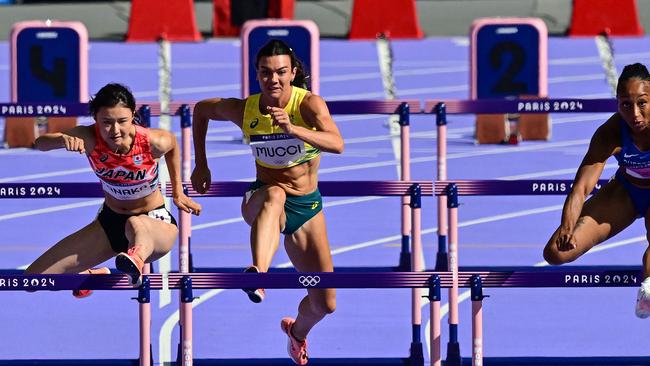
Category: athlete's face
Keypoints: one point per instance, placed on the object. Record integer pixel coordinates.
(275, 74)
(116, 127)
(634, 104)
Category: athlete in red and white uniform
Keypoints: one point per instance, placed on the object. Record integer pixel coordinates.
(133, 224)
(126, 176)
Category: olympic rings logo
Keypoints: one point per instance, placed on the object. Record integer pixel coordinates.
(309, 281)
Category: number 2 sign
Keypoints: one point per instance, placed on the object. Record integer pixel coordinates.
(508, 60)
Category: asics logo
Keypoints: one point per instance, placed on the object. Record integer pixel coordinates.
(626, 155)
(314, 205)
(254, 123)
(309, 281)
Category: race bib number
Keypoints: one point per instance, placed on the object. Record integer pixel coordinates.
(277, 150)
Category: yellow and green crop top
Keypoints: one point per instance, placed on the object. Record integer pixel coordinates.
(271, 147)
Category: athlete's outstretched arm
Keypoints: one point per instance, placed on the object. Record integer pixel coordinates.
(78, 139)
(230, 109)
(604, 143)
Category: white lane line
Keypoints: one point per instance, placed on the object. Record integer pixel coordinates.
(355, 140)
(438, 64)
(192, 90)
(57, 173)
(234, 220)
(39, 211)
(551, 173)
(470, 154)
(373, 75)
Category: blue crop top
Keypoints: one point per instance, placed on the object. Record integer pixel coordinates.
(635, 162)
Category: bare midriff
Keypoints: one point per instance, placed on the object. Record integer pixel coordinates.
(297, 180)
(137, 206)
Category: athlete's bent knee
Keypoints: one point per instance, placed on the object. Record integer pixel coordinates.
(275, 194)
(133, 224)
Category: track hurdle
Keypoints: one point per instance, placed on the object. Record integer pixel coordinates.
(414, 189)
(409, 259)
(16, 280)
(453, 189)
(410, 196)
(410, 209)
(403, 108)
(486, 106)
(447, 257)
(434, 281)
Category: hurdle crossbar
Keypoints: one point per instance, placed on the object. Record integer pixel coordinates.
(416, 106)
(217, 189)
(593, 277)
(327, 188)
(533, 105)
(496, 187)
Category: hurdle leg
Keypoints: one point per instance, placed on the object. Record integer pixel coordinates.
(405, 154)
(441, 122)
(185, 356)
(477, 320)
(453, 347)
(417, 265)
(144, 299)
(434, 319)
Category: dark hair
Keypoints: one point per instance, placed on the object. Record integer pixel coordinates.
(632, 71)
(111, 95)
(276, 47)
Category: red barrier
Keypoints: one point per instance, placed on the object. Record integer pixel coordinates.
(614, 17)
(151, 21)
(394, 18)
(227, 24)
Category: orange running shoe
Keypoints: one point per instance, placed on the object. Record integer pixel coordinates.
(256, 295)
(80, 294)
(297, 349)
(130, 264)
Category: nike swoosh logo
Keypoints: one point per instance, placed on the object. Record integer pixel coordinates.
(629, 155)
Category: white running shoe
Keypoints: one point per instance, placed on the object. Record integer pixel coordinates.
(643, 300)
(256, 295)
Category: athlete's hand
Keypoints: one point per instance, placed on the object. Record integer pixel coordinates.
(187, 204)
(566, 241)
(201, 179)
(281, 118)
(73, 143)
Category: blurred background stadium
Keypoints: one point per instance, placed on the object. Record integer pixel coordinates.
(108, 20)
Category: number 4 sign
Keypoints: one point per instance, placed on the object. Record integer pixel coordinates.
(509, 60)
(49, 63)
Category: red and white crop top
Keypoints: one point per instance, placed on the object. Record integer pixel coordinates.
(127, 176)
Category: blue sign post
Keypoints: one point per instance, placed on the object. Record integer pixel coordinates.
(509, 60)
(49, 64)
(301, 36)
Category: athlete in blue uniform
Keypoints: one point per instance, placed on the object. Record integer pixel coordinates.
(626, 136)
(288, 127)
